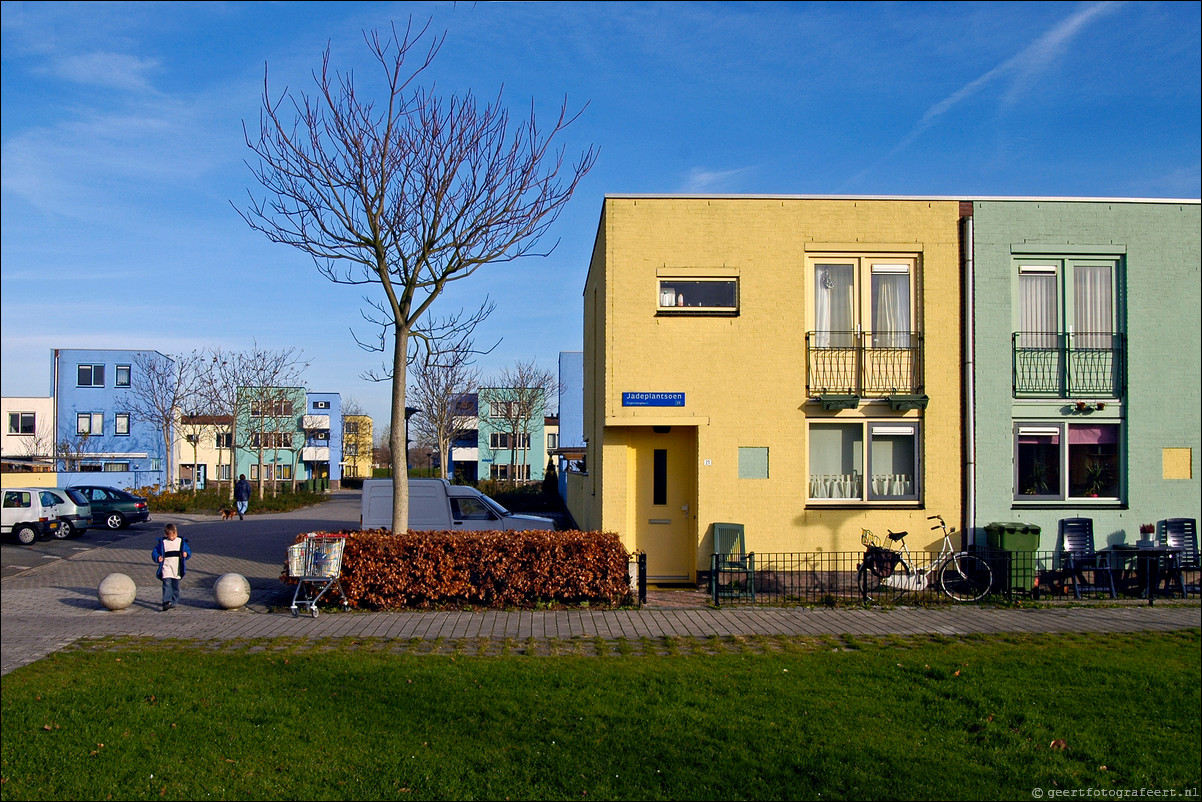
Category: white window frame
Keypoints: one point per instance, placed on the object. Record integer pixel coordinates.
(89, 423)
(17, 427)
(122, 376)
(121, 424)
(92, 371)
(880, 488)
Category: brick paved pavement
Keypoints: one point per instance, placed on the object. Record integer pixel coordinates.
(54, 604)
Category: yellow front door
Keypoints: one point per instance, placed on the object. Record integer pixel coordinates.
(665, 479)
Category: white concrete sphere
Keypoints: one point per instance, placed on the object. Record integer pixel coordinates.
(117, 591)
(231, 591)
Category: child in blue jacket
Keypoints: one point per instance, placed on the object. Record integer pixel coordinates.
(171, 553)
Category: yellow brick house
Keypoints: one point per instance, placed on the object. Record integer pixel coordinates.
(792, 364)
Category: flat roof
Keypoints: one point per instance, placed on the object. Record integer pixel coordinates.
(752, 196)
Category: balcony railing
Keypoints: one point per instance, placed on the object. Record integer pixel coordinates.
(1061, 365)
(863, 363)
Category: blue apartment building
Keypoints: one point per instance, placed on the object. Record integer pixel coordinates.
(96, 432)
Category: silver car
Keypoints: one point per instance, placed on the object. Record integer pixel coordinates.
(74, 510)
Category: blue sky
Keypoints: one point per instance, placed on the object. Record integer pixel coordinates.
(123, 148)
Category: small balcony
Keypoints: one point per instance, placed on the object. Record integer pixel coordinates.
(1062, 365)
(855, 364)
(311, 422)
(315, 454)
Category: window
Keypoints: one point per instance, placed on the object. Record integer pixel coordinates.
(863, 337)
(271, 409)
(470, 509)
(753, 463)
(552, 440)
(500, 440)
(116, 467)
(121, 424)
(509, 472)
(271, 440)
(89, 423)
(1068, 341)
(22, 423)
(837, 461)
(323, 435)
(284, 473)
(659, 477)
(502, 409)
(225, 440)
(90, 376)
(698, 296)
(122, 377)
(863, 300)
(321, 404)
(351, 426)
(1058, 461)
(223, 473)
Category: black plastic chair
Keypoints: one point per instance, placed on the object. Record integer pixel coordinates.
(731, 561)
(1077, 557)
(1181, 533)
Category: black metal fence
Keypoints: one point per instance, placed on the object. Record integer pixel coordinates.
(840, 578)
(1068, 365)
(864, 363)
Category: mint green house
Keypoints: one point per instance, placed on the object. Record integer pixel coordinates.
(511, 434)
(1082, 363)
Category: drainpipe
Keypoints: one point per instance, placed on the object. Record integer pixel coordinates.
(970, 400)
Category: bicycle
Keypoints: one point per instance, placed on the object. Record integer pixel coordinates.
(887, 573)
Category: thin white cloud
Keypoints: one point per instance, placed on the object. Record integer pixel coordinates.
(700, 180)
(112, 70)
(1025, 67)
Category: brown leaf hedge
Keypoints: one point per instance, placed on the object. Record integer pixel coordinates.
(424, 570)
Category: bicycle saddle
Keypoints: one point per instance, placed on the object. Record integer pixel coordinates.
(897, 535)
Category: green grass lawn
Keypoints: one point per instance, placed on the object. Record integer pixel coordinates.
(770, 718)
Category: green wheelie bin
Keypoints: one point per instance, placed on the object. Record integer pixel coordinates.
(1013, 546)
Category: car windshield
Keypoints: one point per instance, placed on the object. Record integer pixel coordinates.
(497, 508)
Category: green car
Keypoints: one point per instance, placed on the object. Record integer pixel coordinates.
(114, 508)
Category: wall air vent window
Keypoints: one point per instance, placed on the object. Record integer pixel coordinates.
(702, 295)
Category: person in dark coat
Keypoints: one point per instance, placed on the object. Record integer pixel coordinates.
(242, 494)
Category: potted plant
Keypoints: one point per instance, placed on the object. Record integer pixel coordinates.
(1097, 478)
(1146, 532)
(1037, 479)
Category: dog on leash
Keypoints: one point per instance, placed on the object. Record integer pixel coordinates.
(227, 514)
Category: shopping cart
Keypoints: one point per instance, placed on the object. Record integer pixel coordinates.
(315, 564)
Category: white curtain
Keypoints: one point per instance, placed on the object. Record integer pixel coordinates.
(834, 310)
(890, 307)
(1093, 305)
(1037, 309)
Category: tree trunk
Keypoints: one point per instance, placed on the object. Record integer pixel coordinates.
(400, 450)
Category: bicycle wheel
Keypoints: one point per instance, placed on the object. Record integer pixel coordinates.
(965, 578)
(879, 583)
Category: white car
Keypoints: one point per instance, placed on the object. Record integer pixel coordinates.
(28, 513)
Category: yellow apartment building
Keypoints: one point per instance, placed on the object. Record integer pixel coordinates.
(792, 364)
(357, 442)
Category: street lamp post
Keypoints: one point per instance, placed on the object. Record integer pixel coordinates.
(409, 413)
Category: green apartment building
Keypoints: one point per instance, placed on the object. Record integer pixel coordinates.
(1082, 363)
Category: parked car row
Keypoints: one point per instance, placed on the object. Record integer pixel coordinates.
(61, 512)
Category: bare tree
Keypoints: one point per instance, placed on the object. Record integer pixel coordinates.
(518, 403)
(407, 195)
(439, 383)
(159, 387)
(228, 373)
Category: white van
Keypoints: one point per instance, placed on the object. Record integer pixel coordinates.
(438, 505)
(28, 513)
